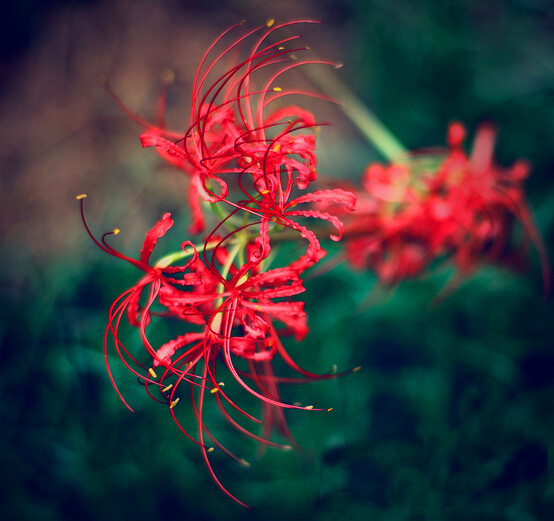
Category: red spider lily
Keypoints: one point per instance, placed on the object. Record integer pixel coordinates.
(232, 130)
(222, 308)
(441, 203)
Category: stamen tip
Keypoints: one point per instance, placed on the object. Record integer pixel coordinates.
(244, 463)
(309, 407)
(339, 65)
(287, 447)
(151, 371)
(165, 389)
(211, 449)
(270, 22)
(281, 48)
(81, 196)
(356, 369)
(214, 390)
(116, 231)
(330, 409)
(277, 89)
(174, 403)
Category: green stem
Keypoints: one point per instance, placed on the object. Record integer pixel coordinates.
(217, 209)
(237, 247)
(366, 121)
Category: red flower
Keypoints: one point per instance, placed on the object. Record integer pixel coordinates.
(438, 204)
(233, 131)
(235, 319)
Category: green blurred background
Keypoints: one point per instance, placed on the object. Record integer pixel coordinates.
(452, 414)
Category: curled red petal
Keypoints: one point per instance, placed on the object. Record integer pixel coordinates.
(165, 352)
(277, 308)
(273, 276)
(336, 196)
(159, 230)
(171, 152)
(335, 221)
(262, 246)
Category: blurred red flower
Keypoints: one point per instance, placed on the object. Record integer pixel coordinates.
(442, 204)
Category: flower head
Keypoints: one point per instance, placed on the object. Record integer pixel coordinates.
(441, 204)
(239, 126)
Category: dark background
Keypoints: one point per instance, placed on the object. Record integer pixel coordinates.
(451, 416)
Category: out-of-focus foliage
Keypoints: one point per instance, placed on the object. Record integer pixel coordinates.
(451, 416)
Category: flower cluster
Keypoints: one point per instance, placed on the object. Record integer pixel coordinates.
(440, 204)
(251, 161)
(250, 157)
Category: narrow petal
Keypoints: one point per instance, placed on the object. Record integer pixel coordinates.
(336, 196)
(159, 230)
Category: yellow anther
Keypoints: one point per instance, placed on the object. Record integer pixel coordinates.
(307, 48)
(214, 390)
(329, 410)
(116, 231)
(309, 407)
(165, 389)
(264, 192)
(211, 449)
(334, 368)
(276, 148)
(339, 66)
(244, 463)
(287, 447)
(221, 384)
(81, 196)
(174, 403)
(356, 369)
(270, 22)
(258, 308)
(277, 89)
(152, 373)
(270, 342)
(281, 48)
